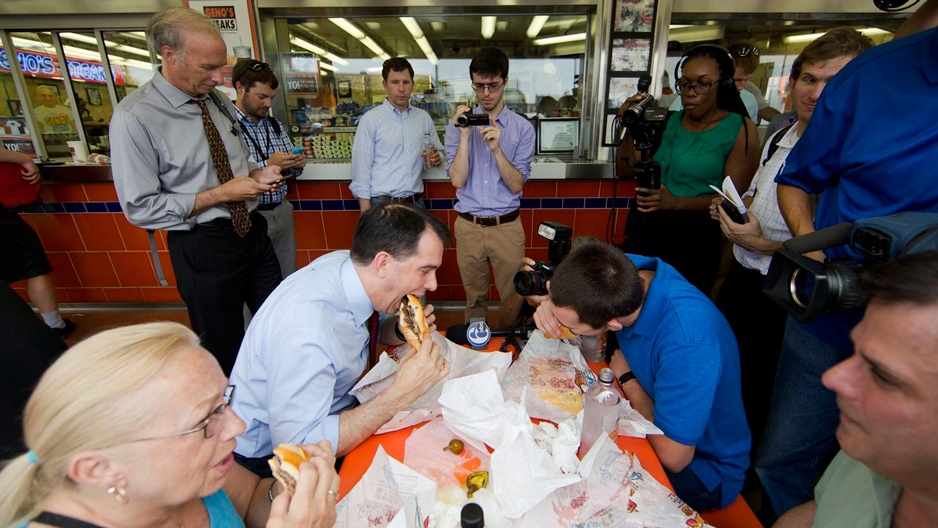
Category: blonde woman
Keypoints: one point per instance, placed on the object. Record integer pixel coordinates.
(132, 427)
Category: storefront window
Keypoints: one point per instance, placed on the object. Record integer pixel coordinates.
(332, 75)
(130, 60)
(14, 134)
(46, 91)
(90, 87)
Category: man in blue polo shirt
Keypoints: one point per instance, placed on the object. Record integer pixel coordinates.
(678, 364)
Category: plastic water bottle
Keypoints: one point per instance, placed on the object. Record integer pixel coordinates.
(600, 411)
(471, 516)
(478, 333)
(427, 149)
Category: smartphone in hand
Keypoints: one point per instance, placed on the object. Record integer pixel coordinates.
(297, 150)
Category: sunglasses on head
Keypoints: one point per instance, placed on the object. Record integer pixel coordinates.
(744, 52)
(255, 67)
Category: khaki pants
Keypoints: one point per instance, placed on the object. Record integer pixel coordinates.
(477, 246)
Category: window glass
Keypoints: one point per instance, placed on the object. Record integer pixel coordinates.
(46, 89)
(332, 75)
(14, 134)
(89, 83)
(130, 60)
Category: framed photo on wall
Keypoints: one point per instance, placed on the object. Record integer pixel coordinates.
(630, 54)
(620, 89)
(94, 96)
(344, 88)
(634, 16)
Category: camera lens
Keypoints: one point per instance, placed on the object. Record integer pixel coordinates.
(530, 283)
(462, 120)
(802, 287)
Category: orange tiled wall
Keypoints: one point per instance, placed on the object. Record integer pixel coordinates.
(99, 257)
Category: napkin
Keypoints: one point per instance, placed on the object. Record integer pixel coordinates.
(387, 488)
(462, 362)
(523, 472)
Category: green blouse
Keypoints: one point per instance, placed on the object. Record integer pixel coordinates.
(692, 161)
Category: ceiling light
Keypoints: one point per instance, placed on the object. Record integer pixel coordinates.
(488, 26)
(414, 28)
(872, 32)
(326, 66)
(537, 23)
(87, 39)
(361, 36)
(696, 33)
(794, 39)
(678, 26)
(348, 27)
(131, 49)
(560, 40)
(298, 42)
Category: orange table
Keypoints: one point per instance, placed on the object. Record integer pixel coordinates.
(357, 462)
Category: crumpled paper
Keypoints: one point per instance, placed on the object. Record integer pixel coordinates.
(523, 472)
(462, 362)
(556, 376)
(616, 491)
(384, 491)
(632, 423)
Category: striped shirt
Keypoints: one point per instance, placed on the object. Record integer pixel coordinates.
(265, 143)
(765, 202)
(387, 154)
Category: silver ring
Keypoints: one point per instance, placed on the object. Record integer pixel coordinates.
(335, 495)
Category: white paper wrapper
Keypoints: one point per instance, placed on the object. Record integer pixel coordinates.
(462, 361)
(616, 492)
(632, 423)
(523, 472)
(555, 374)
(385, 489)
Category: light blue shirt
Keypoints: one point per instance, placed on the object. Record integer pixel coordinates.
(387, 154)
(485, 193)
(305, 349)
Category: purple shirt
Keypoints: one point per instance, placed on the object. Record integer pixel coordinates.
(485, 193)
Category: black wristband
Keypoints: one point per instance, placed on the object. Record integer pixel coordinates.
(399, 334)
(625, 378)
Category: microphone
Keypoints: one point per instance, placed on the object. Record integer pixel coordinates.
(836, 235)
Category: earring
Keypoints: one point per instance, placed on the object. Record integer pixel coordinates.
(119, 493)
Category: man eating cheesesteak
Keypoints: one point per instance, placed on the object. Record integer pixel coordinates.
(309, 344)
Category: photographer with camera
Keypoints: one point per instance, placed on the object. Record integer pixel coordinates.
(868, 152)
(887, 396)
(489, 151)
(712, 137)
(677, 362)
(757, 321)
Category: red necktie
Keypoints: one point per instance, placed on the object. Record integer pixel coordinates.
(240, 218)
(373, 340)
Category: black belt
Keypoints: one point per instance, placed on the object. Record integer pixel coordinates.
(490, 221)
(269, 206)
(412, 199)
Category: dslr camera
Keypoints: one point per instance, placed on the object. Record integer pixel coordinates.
(534, 282)
(469, 119)
(807, 288)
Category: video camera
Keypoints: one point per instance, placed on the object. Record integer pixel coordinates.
(468, 119)
(807, 288)
(645, 122)
(534, 282)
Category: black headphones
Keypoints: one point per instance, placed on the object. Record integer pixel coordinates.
(724, 60)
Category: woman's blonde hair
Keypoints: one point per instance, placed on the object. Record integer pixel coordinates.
(87, 400)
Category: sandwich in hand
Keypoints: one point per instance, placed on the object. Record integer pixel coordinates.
(285, 465)
(413, 323)
(565, 333)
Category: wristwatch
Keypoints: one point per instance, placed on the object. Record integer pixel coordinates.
(625, 378)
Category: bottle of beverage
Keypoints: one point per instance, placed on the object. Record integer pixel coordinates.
(600, 411)
(427, 149)
(471, 516)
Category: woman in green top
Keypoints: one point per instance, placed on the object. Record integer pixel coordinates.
(712, 137)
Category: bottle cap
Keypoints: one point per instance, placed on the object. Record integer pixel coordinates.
(606, 375)
(472, 516)
(478, 334)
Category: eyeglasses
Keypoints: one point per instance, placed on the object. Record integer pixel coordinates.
(256, 67)
(700, 88)
(743, 52)
(491, 87)
(209, 426)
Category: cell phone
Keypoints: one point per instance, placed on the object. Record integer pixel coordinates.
(297, 150)
(734, 213)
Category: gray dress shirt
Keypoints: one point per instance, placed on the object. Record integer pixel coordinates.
(160, 157)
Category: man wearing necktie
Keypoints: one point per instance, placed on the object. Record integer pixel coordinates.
(181, 165)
